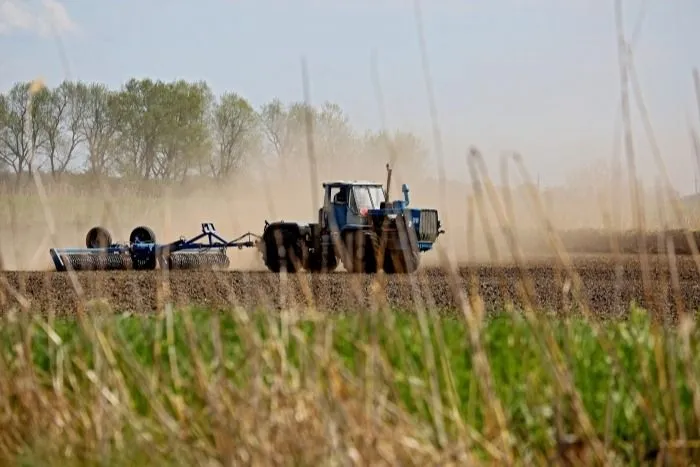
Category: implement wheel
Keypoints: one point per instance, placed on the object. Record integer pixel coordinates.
(142, 234)
(139, 260)
(98, 237)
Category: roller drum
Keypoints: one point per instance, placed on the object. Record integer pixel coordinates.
(96, 262)
(198, 261)
(79, 262)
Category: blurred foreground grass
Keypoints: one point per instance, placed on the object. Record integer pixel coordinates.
(208, 387)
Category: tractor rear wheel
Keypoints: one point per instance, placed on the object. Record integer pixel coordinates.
(284, 250)
(361, 249)
(323, 260)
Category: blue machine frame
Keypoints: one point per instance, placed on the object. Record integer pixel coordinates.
(145, 254)
(392, 208)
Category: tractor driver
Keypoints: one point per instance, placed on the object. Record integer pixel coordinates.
(342, 196)
(339, 206)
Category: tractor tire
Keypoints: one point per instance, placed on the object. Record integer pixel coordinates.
(405, 259)
(98, 237)
(402, 262)
(360, 255)
(323, 261)
(284, 251)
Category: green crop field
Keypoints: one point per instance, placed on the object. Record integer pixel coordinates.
(216, 387)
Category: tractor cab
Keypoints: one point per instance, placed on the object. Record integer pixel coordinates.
(347, 203)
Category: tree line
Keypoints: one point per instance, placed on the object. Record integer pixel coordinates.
(156, 130)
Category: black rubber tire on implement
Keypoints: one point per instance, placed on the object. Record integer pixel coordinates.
(98, 237)
(143, 234)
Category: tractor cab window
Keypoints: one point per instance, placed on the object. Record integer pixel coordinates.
(368, 197)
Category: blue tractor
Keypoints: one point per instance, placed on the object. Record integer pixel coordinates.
(358, 227)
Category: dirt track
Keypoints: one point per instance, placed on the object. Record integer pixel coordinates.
(137, 291)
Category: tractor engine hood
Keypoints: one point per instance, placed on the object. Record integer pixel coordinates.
(392, 207)
(397, 207)
(389, 213)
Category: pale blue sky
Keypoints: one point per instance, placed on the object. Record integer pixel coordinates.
(537, 76)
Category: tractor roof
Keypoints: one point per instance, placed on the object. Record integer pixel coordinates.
(339, 183)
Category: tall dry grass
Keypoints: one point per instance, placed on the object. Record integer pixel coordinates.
(373, 389)
(176, 389)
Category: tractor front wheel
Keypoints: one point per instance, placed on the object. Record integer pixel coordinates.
(404, 257)
(402, 262)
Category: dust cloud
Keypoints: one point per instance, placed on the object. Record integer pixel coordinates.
(286, 190)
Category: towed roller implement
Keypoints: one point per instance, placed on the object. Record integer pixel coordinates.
(359, 226)
(143, 253)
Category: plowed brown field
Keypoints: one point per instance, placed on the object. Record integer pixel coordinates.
(607, 290)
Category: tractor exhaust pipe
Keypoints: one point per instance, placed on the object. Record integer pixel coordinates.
(388, 182)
